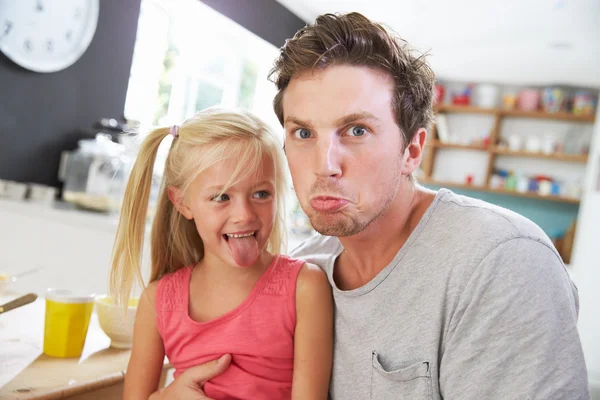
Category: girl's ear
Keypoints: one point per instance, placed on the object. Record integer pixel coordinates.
(178, 201)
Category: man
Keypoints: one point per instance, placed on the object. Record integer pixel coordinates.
(437, 295)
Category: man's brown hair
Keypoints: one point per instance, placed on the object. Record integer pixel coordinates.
(353, 39)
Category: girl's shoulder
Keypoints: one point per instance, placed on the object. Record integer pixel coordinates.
(283, 275)
(286, 261)
(306, 275)
(313, 278)
(172, 289)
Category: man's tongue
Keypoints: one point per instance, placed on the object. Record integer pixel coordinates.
(245, 250)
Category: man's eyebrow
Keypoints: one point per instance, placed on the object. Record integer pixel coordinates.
(347, 119)
(297, 121)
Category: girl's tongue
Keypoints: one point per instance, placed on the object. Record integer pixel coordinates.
(244, 249)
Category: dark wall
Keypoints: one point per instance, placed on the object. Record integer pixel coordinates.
(43, 114)
(266, 18)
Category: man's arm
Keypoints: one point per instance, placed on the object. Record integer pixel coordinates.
(514, 334)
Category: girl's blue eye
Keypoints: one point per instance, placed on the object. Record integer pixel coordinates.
(357, 131)
(262, 194)
(220, 198)
(302, 133)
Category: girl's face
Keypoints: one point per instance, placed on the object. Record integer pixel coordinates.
(234, 225)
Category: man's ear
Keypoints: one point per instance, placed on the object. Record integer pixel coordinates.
(414, 152)
(177, 199)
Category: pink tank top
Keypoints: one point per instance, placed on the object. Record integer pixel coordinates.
(259, 334)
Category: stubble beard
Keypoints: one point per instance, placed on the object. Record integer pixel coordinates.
(349, 223)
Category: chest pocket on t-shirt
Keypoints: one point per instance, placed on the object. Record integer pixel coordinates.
(411, 382)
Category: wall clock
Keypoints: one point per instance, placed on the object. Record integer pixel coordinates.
(47, 35)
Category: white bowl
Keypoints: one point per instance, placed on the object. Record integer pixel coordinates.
(116, 321)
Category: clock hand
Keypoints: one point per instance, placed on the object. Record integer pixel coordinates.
(7, 28)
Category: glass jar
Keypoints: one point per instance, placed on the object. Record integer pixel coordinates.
(94, 174)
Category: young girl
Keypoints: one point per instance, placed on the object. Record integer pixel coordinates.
(218, 285)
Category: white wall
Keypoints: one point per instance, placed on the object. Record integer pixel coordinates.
(585, 268)
(522, 42)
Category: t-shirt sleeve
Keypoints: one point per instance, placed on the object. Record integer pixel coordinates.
(317, 250)
(513, 334)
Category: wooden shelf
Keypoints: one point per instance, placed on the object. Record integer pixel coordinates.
(559, 199)
(493, 152)
(578, 158)
(560, 116)
(426, 181)
(451, 108)
(441, 145)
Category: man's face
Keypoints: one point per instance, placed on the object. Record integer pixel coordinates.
(343, 146)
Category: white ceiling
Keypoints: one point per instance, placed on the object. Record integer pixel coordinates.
(515, 42)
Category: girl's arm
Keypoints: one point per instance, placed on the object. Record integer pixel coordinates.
(313, 338)
(148, 353)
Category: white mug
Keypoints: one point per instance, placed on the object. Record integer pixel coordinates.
(514, 142)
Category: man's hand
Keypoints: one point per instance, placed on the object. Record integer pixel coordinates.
(188, 385)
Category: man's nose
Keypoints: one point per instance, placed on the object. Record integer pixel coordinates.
(328, 158)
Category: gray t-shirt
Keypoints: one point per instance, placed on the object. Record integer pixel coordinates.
(476, 305)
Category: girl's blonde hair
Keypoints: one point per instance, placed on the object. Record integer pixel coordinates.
(206, 139)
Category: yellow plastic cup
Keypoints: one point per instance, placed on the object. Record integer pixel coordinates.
(66, 322)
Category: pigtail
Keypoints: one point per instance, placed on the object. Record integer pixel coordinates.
(129, 241)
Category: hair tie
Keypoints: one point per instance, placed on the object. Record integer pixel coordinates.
(174, 131)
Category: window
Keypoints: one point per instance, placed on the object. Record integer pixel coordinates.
(189, 57)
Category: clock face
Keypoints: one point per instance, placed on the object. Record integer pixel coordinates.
(46, 35)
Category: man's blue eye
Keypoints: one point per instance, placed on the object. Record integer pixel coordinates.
(357, 131)
(302, 133)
